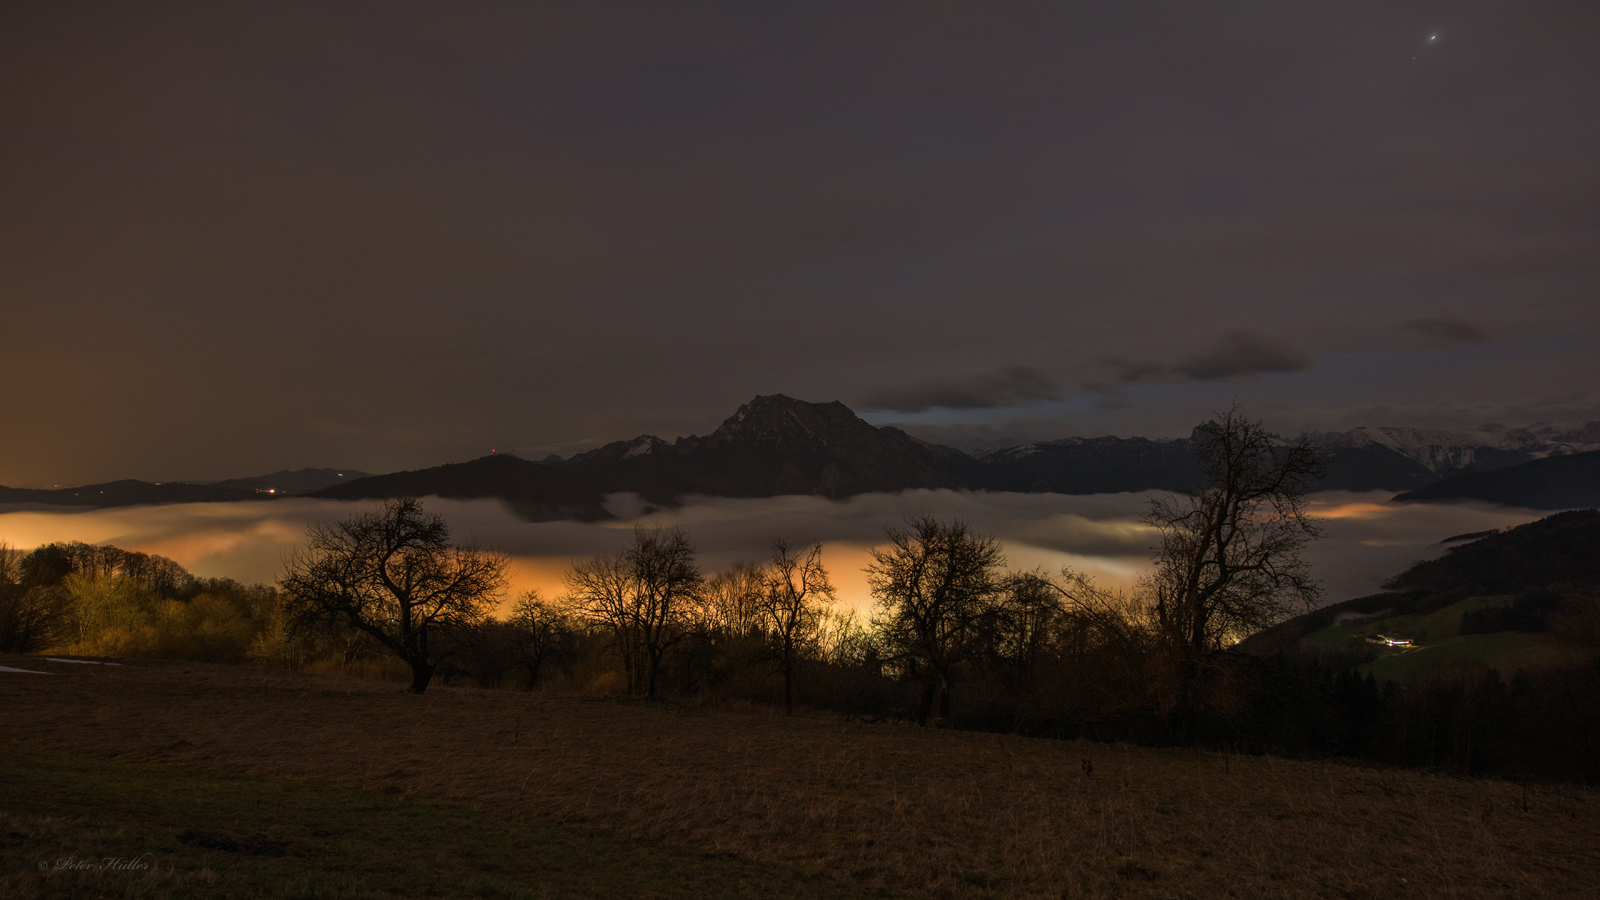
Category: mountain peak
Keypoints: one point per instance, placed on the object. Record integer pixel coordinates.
(777, 419)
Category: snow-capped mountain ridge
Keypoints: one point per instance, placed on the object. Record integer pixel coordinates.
(1491, 446)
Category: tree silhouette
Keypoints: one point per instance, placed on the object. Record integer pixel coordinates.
(796, 595)
(937, 587)
(542, 632)
(394, 575)
(1229, 563)
(642, 596)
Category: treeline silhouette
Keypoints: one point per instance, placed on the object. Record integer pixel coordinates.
(1043, 654)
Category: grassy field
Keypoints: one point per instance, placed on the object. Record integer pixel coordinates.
(1442, 650)
(1437, 625)
(1506, 651)
(183, 832)
(246, 783)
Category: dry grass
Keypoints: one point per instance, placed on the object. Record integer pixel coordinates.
(936, 813)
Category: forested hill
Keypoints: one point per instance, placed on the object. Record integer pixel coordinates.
(1556, 556)
(129, 493)
(1563, 549)
(1557, 482)
(535, 491)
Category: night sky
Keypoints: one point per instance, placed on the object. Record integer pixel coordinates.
(236, 238)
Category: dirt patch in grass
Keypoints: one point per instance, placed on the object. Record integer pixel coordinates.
(935, 813)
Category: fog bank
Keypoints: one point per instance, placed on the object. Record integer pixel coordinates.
(1366, 539)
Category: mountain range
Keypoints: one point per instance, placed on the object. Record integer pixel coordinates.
(129, 492)
(302, 481)
(776, 445)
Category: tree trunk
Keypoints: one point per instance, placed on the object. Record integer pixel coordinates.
(788, 688)
(421, 674)
(1181, 720)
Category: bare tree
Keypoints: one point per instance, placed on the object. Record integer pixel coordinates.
(842, 639)
(642, 596)
(797, 594)
(1110, 639)
(937, 587)
(732, 599)
(600, 590)
(544, 632)
(1229, 563)
(393, 574)
(1030, 610)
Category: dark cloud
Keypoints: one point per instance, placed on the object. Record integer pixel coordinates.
(237, 238)
(1239, 354)
(1012, 386)
(1242, 354)
(1448, 331)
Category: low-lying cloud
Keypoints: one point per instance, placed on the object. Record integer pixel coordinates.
(1447, 331)
(1367, 538)
(1012, 386)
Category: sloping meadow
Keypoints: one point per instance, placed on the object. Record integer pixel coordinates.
(874, 807)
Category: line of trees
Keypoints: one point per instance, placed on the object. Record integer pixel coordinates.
(104, 601)
(393, 576)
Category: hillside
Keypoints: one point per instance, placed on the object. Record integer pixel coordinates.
(1088, 466)
(129, 492)
(236, 778)
(535, 491)
(1559, 549)
(1557, 482)
(1489, 601)
(302, 481)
